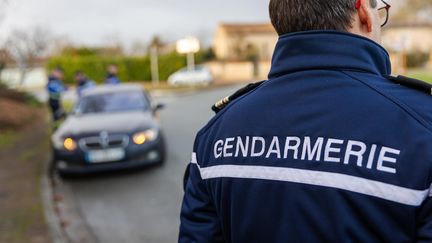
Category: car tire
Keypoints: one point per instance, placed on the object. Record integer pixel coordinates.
(64, 176)
(162, 151)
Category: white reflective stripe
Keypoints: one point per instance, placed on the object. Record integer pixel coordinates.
(194, 159)
(319, 178)
(430, 191)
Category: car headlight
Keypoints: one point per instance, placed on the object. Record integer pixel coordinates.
(145, 136)
(68, 144)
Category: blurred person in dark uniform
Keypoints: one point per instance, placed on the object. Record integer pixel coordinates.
(83, 83)
(112, 75)
(55, 88)
(331, 148)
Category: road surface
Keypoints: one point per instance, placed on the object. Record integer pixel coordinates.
(144, 206)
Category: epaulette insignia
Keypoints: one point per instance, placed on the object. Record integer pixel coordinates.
(412, 83)
(225, 101)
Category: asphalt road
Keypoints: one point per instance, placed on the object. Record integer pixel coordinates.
(144, 206)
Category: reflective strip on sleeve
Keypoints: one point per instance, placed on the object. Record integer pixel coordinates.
(194, 159)
(355, 184)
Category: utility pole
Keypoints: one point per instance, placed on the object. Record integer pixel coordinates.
(154, 62)
(191, 61)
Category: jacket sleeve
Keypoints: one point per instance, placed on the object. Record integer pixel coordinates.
(199, 221)
(424, 223)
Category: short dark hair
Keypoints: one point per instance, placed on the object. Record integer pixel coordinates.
(289, 16)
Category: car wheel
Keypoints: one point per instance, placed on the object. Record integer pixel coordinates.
(64, 176)
(162, 152)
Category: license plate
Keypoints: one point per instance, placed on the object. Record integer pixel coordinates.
(107, 155)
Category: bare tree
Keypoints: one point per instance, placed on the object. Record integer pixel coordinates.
(3, 10)
(156, 42)
(58, 44)
(25, 47)
(138, 48)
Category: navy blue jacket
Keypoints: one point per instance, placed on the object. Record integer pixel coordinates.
(112, 79)
(326, 150)
(84, 85)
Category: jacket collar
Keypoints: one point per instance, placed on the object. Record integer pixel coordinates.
(328, 50)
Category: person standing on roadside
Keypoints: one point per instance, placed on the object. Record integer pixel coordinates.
(83, 83)
(331, 148)
(112, 75)
(55, 88)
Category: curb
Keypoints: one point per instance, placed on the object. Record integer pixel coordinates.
(65, 220)
(52, 220)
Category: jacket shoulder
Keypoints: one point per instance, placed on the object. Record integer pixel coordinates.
(412, 83)
(415, 94)
(221, 107)
(221, 104)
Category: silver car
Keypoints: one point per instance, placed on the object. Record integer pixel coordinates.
(199, 75)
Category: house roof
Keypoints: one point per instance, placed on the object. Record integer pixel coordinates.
(233, 28)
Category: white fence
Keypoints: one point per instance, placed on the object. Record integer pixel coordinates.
(35, 78)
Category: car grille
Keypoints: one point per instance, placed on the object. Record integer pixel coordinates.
(104, 142)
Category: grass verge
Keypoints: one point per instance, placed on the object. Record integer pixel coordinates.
(7, 138)
(23, 153)
(422, 74)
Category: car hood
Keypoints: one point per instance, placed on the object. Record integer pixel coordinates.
(121, 122)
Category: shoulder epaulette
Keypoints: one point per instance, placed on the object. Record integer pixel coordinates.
(225, 101)
(412, 83)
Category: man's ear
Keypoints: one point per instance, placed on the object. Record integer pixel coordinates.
(364, 15)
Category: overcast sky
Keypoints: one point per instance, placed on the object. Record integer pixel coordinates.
(97, 22)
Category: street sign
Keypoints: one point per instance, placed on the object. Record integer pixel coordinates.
(188, 45)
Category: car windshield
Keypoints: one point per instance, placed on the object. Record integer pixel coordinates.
(113, 102)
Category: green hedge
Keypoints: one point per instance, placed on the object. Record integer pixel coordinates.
(130, 68)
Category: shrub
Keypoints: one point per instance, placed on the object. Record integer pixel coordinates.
(130, 68)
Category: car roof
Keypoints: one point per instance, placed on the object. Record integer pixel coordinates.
(112, 88)
(196, 67)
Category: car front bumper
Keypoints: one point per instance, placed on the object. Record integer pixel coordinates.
(135, 156)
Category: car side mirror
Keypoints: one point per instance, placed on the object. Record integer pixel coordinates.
(159, 106)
